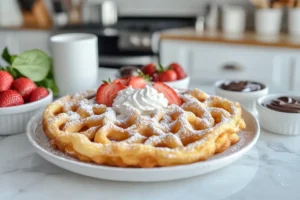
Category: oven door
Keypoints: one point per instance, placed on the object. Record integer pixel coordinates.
(116, 62)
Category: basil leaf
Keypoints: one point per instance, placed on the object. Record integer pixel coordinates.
(6, 56)
(13, 72)
(49, 83)
(12, 58)
(33, 64)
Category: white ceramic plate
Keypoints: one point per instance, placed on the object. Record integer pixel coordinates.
(248, 138)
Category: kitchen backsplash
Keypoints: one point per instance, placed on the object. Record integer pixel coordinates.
(168, 7)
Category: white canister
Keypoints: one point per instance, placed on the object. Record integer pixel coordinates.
(294, 21)
(268, 21)
(234, 19)
(75, 62)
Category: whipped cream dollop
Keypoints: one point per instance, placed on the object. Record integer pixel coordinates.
(141, 100)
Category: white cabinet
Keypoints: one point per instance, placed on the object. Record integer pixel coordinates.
(20, 40)
(208, 62)
(33, 39)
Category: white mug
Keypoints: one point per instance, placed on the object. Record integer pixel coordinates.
(234, 19)
(294, 21)
(75, 62)
(268, 21)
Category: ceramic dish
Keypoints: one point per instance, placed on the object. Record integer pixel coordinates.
(180, 84)
(14, 119)
(275, 121)
(246, 99)
(248, 138)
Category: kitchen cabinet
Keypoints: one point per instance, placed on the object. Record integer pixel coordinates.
(20, 40)
(31, 39)
(208, 62)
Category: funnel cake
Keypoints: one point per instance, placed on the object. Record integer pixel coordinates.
(202, 126)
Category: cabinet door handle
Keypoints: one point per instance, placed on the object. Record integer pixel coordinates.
(231, 67)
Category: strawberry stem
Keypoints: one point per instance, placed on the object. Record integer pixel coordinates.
(107, 81)
(144, 76)
(160, 68)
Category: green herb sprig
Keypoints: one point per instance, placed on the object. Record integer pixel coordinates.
(33, 64)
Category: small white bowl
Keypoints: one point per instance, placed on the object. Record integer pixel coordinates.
(180, 84)
(14, 119)
(246, 99)
(275, 121)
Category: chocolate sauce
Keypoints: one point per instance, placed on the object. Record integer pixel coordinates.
(128, 71)
(242, 86)
(284, 104)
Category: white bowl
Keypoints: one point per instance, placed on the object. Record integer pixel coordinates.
(180, 84)
(246, 99)
(14, 119)
(275, 121)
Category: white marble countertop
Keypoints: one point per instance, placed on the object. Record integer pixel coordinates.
(271, 170)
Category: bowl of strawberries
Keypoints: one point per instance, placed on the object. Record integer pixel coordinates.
(172, 75)
(20, 100)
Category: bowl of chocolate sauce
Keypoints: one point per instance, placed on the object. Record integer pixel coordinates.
(243, 91)
(280, 113)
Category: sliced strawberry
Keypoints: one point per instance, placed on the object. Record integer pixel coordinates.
(6, 80)
(167, 76)
(149, 69)
(24, 86)
(10, 98)
(124, 81)
(107, 92)
(178, 69)
(37, 94)
(137, 82)
(168, 92)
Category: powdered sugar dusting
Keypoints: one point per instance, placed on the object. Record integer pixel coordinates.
(174, 128)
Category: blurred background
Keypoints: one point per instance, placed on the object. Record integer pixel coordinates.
(241, 39)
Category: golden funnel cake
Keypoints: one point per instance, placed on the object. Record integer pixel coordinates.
(201, 127)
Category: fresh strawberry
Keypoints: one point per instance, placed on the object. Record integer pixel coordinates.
(107, 92)
(10, 98)
(168, 92)
(123, 80)
(37, 94)
(137, 82)
(24, 86)
(167, 76)
(6, 79)
(155, 77)
(178, 69)
(149, 69)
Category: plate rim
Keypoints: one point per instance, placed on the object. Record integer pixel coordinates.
(79, 163)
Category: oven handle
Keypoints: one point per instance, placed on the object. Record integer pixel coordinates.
(128, 60)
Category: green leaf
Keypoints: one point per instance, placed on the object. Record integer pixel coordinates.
(6, 56)
(12, 58)
(33, 64)
(49, 83)
(13, 72)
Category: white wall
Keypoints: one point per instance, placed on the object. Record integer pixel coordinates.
(167, 7)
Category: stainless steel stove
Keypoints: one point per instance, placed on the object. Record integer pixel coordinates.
(132, 41)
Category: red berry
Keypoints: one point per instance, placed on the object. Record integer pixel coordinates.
(167, 76)
(178, 69)
(107, 92)
(10, 98)
(24, 86)
(37, 94)
(123, 80)
(149, 69)
(137, 82)
(6, 79)
(168, 92)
